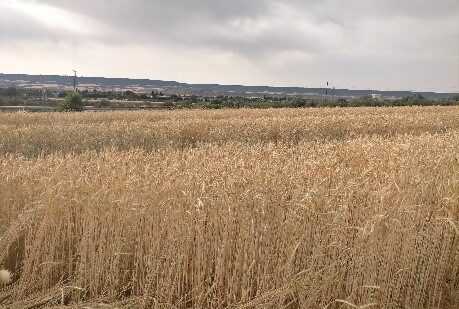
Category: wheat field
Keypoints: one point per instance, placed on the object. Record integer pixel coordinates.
(286, 208)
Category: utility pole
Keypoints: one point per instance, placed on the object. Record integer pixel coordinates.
(74, 80)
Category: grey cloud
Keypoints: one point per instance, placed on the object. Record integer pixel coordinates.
(360, 37)
(15, 26)
(207, 23)
(358, 9)
(142, 8)
(162, 16)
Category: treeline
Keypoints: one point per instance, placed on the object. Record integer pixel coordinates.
(270, 102)
(156, 99)
(15, 96)
(223, 101)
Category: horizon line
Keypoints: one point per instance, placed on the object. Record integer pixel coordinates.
(248, 85)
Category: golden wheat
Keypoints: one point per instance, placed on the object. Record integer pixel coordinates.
(37, 134)
(328, 208)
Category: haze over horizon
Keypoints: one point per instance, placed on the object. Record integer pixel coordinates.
(359, 44)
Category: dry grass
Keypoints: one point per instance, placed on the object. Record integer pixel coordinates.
(328, 208)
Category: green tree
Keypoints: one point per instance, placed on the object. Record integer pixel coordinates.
(367, 100)
(12, 92)
(73, 102)
(415, 99)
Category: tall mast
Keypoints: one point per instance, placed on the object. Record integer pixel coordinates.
(74, 80)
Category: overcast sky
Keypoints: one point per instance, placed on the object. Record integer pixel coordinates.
(376, 44)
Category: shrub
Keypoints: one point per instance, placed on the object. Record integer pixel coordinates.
(73, 102)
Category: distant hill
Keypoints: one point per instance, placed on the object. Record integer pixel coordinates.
(201, 89)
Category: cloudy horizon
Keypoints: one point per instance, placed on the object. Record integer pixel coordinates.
(359, 44)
